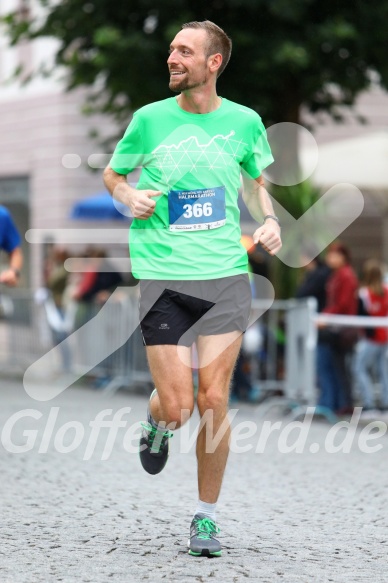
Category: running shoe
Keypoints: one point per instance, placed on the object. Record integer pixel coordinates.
(202, 541)
(153, 446)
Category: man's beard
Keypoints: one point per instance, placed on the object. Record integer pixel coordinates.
(180, 86)
(186, 84)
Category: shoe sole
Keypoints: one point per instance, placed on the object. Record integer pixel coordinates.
(203, 553)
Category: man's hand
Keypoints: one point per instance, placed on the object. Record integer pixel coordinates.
(268, 235)
(141, 204)
(138, 201)
(9, 277)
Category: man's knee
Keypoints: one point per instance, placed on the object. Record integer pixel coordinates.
(213, 399)
(177, 412)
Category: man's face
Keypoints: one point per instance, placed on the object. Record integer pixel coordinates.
(187, 62)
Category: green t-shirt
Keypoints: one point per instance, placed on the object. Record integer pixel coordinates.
(196, 161)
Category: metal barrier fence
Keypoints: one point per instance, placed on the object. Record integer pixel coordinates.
(280, 345)
(86, 340)
(23, 331)
(285, 360)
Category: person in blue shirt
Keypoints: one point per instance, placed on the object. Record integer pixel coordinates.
(10, 243)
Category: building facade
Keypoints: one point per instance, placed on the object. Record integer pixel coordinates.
(45, 146)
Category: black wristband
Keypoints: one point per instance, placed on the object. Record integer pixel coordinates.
(273, 217)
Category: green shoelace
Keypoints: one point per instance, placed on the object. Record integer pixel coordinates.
(206, 528)
(152, 432)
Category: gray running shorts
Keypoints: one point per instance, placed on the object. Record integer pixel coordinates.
(176, 312)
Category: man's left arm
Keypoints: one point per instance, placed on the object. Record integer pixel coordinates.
(256, 197)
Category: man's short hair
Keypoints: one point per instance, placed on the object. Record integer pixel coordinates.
(218, 41)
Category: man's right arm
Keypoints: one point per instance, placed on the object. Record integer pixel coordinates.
(138, 201)
(10, 276)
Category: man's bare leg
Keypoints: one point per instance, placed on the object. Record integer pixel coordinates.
(213, 397)
(174, 383)
(169, 407)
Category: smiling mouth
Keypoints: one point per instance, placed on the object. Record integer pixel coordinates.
(176, 73)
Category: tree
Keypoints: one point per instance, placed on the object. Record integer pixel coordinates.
(285, 54)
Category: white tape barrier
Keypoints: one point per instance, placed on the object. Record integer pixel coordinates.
(358, 321)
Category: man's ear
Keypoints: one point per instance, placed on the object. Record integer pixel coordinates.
(215, 62)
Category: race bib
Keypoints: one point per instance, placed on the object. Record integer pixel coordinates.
(196, 210)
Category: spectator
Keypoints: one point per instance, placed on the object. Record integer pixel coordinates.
(57, 282)
(335, 345)
(99, 281)
(57, 276)
(93, 290)
(241, 385)
(10, 243)
(371, 351)
(316, 274)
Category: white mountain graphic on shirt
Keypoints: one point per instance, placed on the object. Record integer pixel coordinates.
(179, 154)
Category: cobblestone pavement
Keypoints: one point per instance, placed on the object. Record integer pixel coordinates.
(303, 517)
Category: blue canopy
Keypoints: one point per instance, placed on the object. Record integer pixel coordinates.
(100, 207)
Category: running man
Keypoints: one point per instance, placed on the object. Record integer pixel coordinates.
(185, 248)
